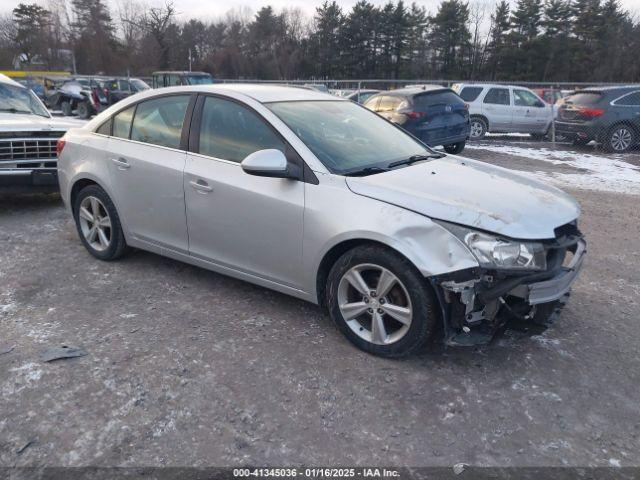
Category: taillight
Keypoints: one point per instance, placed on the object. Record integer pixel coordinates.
(94, 97)
(591, 112)
(415, 115)
(60, 146)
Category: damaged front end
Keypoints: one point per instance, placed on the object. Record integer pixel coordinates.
(522, 281)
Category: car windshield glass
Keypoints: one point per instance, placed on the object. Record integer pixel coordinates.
(584, 98)
(198, 79)
(20, 100)
(345, 136)
(139, 84)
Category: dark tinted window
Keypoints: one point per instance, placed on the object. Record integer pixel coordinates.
(122, 123)
(524, 98)
(631, 100)
(584, 98)
(105, 128)
(469, 94)
(159, 121)
(445, 97)
(232, 132)
(497, 96)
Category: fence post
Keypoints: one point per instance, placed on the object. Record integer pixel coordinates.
(359, 88)
(553, 117)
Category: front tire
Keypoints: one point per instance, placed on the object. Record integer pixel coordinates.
(84, 111)
(455, 148)
(66, 109)
(381, 302)
(98, 224)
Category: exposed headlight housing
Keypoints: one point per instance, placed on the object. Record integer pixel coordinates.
(496, 252)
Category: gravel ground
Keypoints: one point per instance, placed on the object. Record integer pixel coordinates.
(188, 367)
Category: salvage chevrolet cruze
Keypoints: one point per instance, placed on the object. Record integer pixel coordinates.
(319, 198)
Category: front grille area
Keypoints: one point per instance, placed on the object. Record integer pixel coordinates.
(29, 150)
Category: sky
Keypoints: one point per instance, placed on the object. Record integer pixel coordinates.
(211, 9)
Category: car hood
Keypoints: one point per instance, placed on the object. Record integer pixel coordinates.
(16, 122)
(474, 194)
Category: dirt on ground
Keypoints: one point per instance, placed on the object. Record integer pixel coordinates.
(188, 367)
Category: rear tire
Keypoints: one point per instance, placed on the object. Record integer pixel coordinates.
(580, 142)
(84, 111)
(396, 323)
(455, 148)
(93, 211)
(478, 128)
(619, 139)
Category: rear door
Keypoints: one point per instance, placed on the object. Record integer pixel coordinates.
(247, 223)
(497, 107)
(146, 166)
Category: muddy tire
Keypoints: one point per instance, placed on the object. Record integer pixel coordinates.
(455, 148)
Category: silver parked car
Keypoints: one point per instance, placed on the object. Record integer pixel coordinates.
(505, 109)
(319, 198)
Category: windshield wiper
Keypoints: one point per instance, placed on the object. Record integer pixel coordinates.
(14, 110)
(414, 159)
(366, 171)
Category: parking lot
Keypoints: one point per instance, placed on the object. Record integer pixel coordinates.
(188, 367)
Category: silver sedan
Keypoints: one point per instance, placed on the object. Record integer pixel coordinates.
(319, 198)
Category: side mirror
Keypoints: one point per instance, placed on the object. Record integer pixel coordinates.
(266, 163)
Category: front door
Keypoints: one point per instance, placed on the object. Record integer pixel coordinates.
(236, 220)
(146, 166)
(529, 112)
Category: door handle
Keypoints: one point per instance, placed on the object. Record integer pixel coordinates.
(121, 163)
(201, 186)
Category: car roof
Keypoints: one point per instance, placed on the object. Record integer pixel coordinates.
(270, 93)
(609, 88)
(8, 81)
(179, 72)
(410, 91)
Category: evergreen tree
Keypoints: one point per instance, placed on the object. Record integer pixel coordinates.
(500, 26)
(326, 41)
(450, 38)
(93, 31)
(31, 22)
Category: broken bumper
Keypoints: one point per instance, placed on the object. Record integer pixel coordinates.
(480, 300)
(555, 288)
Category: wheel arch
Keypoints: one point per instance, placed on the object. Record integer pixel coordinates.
(339, 249)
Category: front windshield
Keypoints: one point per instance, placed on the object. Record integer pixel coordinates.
(345, 136)
(20, 100)
(199, 79)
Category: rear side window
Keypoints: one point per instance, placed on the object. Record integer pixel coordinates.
(469, 94)
(122, 123)
(445, 97)
(105, 128)
(629, 100)
(159, 121)
(388, 104)
(230, 131)
(497, 96)
(372, 103)
(584, 98)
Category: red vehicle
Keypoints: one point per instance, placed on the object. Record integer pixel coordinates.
(549, 95)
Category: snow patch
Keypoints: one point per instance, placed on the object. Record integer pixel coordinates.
(609, 174)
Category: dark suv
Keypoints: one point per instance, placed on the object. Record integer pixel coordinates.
(434, 114)
(608, 115)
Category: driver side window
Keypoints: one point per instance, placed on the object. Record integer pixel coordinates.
(229, 131)
(523, 98)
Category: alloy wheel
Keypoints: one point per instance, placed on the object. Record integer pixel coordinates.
(375, 304)
(477, 129)
(95, 223)
(621, 139)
